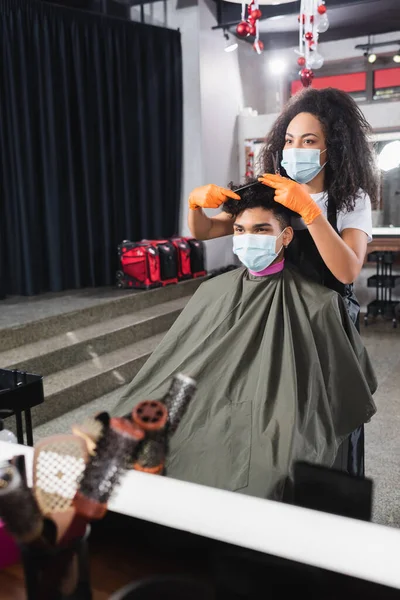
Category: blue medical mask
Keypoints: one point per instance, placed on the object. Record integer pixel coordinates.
(256, 251)
(302, 164)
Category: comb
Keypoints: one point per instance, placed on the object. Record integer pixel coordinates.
(245, 187)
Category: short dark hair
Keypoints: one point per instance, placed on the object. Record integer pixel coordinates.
(258, 196)
(351, 162)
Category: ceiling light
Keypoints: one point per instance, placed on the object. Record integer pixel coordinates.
(277, 66)
(372, 58)
(230, 46)
(396, 57)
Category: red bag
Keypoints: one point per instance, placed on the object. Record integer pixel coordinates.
(183, 254)
(140, 263)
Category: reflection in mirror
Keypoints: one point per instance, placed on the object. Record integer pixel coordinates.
(388, 158)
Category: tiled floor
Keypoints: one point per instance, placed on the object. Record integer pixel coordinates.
(383, 433)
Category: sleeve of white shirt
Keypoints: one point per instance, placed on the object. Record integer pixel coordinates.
(359, 218)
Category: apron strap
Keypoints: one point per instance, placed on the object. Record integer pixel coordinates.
(332, 214)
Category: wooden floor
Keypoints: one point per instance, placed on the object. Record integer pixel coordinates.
(113, 564)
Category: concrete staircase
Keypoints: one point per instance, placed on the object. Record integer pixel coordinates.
(86, 353)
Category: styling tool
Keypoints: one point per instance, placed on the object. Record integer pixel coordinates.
(19, 462)
(245, 187)
(153, 451)
(92, 429)
(58, 464)
(102, 474)
(177, 399)
(276, 163)
(18, 508)
(152, 417)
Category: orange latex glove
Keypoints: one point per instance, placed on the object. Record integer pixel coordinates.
(292, 195)
(210, 196)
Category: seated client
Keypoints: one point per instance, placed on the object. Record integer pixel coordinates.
(282, 373)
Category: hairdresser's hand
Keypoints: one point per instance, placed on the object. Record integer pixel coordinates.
(292, 195)
(210, 196)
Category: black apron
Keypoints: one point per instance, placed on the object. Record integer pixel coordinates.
(304, 254)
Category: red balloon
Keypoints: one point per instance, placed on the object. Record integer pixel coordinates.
(303, 19)
(306, 77)
(253, 29)
(243, 29)
(256, 14)
(250, 20)
(309, 36)
(301, 61)
(322, 9)
(249, 174)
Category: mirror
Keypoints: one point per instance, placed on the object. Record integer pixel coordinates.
(387, 147)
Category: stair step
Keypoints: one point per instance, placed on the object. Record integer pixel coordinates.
(68, 349)
(70, 388)
(65, 423)
(57, 324)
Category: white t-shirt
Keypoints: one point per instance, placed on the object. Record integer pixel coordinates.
(359, 218)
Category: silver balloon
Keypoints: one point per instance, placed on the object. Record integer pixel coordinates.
(323, 23)
(316, 60)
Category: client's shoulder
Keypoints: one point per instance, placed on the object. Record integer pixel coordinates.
(313, 293)
(224, 280)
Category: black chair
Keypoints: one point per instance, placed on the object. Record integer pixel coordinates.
(166, 587)
(19, 392)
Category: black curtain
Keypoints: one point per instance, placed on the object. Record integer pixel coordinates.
(91, 143)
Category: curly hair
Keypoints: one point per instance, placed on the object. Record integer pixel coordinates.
(351, 164)
(258, 196)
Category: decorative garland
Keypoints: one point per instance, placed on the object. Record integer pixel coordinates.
(250, 25)
(313, 20)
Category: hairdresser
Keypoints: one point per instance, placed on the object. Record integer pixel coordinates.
(327, 176)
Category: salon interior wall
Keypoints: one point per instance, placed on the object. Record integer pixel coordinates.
(216, 86)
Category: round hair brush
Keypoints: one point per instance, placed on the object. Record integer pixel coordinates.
(152, 453)
(152, 416)
(106, 466)
(177, 399)
(58, 464)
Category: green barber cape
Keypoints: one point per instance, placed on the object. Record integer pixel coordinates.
(282, 376)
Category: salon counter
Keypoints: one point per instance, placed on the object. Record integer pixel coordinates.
(302, 535)
(385, 239)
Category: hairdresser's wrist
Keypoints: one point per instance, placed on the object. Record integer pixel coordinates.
(310, 211)
(315, 220)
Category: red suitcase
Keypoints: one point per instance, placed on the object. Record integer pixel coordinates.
(140, 264)
(183, 254)
(168, 260)
(197, 257)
